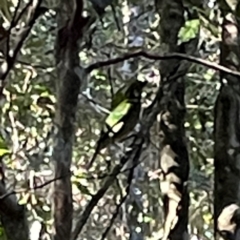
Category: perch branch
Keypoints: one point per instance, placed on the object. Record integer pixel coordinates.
(168, 56)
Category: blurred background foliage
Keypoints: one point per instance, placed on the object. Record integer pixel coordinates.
(28, 110)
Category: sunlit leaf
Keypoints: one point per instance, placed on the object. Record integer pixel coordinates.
(189, 30)
(3, 147)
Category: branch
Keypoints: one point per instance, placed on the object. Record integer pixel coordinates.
(32, 11)
(12, 25)
(133, 153)
(5, 195)
(123, 199)
(167, 56)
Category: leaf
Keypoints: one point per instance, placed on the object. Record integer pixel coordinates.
(3, 147)
(3, 151)
(2, 234)
(25, 199)
(147, 219)
(189, 30)
(118, 113)
(207, 217)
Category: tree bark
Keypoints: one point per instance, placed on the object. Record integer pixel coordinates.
(70, 28)
(227, 139)
(13, 216)
(174, 161)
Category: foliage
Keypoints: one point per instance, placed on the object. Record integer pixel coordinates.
(28, 113)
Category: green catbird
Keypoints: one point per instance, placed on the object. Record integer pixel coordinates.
(123, 117)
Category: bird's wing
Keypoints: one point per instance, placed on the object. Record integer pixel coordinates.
(118, 113)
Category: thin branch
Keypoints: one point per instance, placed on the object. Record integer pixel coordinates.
(12, 25)
(135, 152)
(168, 56)
(102, 176)
(14, 21)
(123, 199)
(22, 13)
(110, 82)
(31, 11)
(30, 65)
(4, 196)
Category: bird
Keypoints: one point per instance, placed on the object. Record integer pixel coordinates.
(122, 119)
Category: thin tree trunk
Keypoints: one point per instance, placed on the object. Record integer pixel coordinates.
(227, 138)
(173, 155)
(70, 28)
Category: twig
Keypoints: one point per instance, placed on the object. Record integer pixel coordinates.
(11, 27)
(2, 197)
(109, 75)
(101, 177)
(110, 82)
(14, 22)
(31, 11)
(22, 13)
(115, 17)
(168, 56)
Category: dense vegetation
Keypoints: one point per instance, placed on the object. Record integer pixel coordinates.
(64, 65)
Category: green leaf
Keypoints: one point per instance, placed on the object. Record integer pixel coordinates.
(118, 113)
(3, 147)
(147, 219)
(3, 151)
(189, 30)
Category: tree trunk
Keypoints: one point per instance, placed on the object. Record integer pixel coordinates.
(173, 155)
(13, 216)
(227, 139)
(70, 28)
